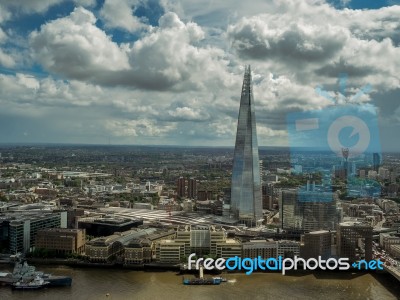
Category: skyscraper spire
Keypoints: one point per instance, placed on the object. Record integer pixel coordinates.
(246, 203)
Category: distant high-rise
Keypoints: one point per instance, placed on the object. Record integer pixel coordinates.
(181, 187)
(376, 161)
(192, 188)
(246, 202)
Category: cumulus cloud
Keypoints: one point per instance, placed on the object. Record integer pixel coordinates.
(4, 13)
(74, 47)
(273, 37)
(3, 36)
(168, 57)
(367, 61)
(376, 24)
(6, 60)
(188, 114)
(26, 89)
(171, 55)
(181, 80)
(313, 42)
(29, 82)
(141, 127)
(223, 127)
(31, 6)
(38, 6)
(85, 3)
(120, 14)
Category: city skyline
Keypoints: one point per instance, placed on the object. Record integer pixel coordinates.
(167, 72)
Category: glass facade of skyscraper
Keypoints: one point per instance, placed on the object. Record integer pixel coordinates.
(246, 202)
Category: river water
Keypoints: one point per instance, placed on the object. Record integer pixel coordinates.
(113, 284)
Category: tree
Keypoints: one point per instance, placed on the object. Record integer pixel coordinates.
(3, 198)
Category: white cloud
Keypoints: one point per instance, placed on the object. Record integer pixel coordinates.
(276, 37)
(73, 46)
(85, 3)
(3, 36)
(6, 60)
(141, 127)
(312, 43)
(181, 80)
(37, 6)
(4, 13)
(373, 24)
(223, 127)
(171, 55)
(188, 114)
(119, 14)
(31, 6)
(29, 82)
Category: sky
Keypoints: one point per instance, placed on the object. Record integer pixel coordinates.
(169, 72)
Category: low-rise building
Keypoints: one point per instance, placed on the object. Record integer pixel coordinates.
(140, 251)
(288, 248)
(386, 240)
(395, 251)
(62, 241)
(316, 243)
(262, 248)
(170, 251)
(107, 225)
(105, 249)
(229, 248)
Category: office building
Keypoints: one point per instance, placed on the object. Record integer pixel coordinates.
(22, 228)
(229, 248)
(138, 251)
(170, 251)
(181, 187)
(316, 243)
(308, 210)
(262, 248)
(394, 251)
(354, 241)
(386, 240)
(200, 239)
(61, 240)
(246, 202)
(143, 250)
(109, 248)
(376, 161)
(227, 195)
(192, 188)
(204, 195)
(105, 226)
(288, 249)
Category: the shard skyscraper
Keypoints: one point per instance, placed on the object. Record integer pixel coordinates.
(246, 202)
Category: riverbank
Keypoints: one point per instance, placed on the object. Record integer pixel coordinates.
(82, 264)
(125, 284)
(162, 267)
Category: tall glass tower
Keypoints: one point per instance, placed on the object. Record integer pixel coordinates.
(246, 203)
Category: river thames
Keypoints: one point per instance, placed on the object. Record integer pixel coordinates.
(116, 284)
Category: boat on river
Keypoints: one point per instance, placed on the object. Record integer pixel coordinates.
(25, 273)
(34, 284)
